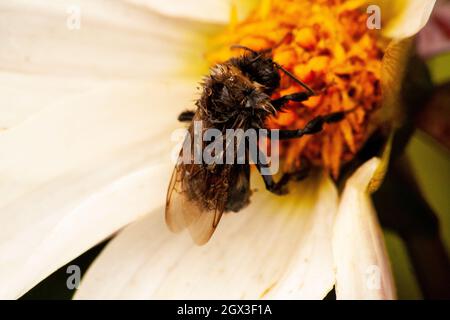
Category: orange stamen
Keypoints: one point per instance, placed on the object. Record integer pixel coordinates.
(326, 44)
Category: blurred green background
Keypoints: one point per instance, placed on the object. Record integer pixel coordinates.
(431, 165)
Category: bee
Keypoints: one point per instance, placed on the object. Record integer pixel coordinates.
(237, 95)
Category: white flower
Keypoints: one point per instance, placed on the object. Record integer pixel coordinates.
(86, 116)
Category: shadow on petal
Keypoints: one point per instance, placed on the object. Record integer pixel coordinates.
(279, 247)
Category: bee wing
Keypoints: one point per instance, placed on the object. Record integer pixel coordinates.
(182, 212)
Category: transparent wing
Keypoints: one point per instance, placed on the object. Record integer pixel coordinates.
(182, 212)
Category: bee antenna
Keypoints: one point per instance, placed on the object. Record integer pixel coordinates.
(238, 46)
(261, 52)
(290, 75)
(258, 54)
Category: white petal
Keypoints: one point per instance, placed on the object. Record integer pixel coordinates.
(279, 247)
(24, 94)
(75, 173)
(115, 39)
(44, 57)
(362, 265)
(405, 17)
(217, 11)
(211, 11)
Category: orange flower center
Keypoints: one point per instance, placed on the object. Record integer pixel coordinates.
(327, 45)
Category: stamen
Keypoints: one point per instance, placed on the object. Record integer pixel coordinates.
(326, 45)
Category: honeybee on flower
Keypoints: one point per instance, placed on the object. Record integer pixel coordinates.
(86, 156)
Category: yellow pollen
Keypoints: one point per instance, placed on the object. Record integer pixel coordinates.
(327, 45)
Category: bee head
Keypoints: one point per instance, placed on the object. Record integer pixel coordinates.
(264, 71)
(260, 68)
(229, 91)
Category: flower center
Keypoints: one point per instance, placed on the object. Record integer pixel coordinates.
(327, 45)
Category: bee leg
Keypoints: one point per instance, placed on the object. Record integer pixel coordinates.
(296, 97)
(186, 116)
(261, 163)
(280, 187)
(303, 172)
(313, 126)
